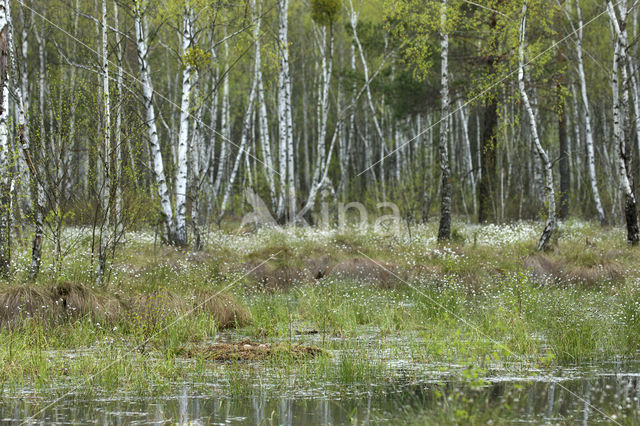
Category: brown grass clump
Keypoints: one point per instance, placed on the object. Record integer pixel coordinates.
(79, 300)
(156, 308)
(270, 276)
(225, 309)
(54, 303)
(588, 270)
(380, 273)
(19, 303)
(249, 351)
(541, 268)
(591, 275)
(319, 266)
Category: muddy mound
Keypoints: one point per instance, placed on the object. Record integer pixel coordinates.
(366, 270)
(272, 276)
(54, 303)
(60, 302)
(319, 266)
(600, 268)
(250, 351)
(541, 268)
(23, 302)
(162, 306)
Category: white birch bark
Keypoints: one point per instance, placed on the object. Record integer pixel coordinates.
(36, 187)
(105, 189)
(374, 116)
(550, 225)
(325, 43)
(183, 136)
(285, 121)
(142, 45)
(5, 179)
(468, 158)
(117, 169)
(244, 135)
(620, 117)
(444, 228)
(591, 167)
(263, 122)
(628, 62)
(225, 127)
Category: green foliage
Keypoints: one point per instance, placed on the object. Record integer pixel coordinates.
(325, 12)
(196, 58)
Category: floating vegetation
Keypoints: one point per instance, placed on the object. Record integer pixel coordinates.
(247, 350)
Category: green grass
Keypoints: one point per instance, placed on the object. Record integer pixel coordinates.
(470, 303)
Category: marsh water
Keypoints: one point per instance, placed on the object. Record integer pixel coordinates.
(604, 393)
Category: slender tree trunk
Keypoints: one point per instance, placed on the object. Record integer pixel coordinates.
(565, 182)
(587, 122)
(5, 179)
(117, 169)
(263, 120)
(183, 137)
(157, 163)
(285, 120)
(244, 136)
(444, 230)
(487, 148)
(620, 131)
(469, 170)
(225, 127)
(550, 225)
(105, 190)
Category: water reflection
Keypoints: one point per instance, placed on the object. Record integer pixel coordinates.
(559, 399)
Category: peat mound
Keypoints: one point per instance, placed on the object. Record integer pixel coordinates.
(365, 270)
(602, 268)
(251, 351)
(59, 302)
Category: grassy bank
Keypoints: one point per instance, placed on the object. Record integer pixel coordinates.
(367, 301)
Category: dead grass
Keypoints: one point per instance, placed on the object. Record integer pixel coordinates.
(277, 276)
(250, 351)
(586, 269)
(365, 270)
(55, 303)
(224, 308)
(60, 302)
(20, 303)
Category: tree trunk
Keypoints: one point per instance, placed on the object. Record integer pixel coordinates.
(550, 225)
(565, 181)
(105, 190)
(620, 132)
(183, 136)
(157, 163)
(587, 121)
(486, 184)
(444, 229)
(285, 120)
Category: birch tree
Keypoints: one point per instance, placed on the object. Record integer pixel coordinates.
(591, 167)
(183, 136)
(621, 119)
(5, 178)
(550, 224)
(444, 229)
(105, 195)
(285, 120)
(157, 163)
